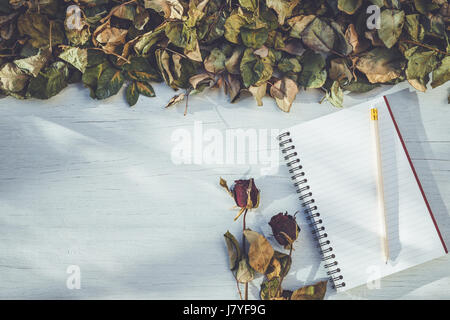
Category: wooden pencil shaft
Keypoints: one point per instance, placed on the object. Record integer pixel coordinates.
(380, 191)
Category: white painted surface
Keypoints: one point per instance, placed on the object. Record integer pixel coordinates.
(91, 183)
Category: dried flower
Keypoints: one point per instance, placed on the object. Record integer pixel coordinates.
(245, 194)
(285, 229)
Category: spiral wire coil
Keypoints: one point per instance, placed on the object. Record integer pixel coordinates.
(310, 208)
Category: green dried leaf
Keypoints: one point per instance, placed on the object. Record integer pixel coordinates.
(360, 86)
(391, 25)
(49, 82)
(255, 70)
(140, 69)
(335, 95)
(420, 63)
(34, 64)
(233, 25)
(313, 74)
(104, 80)
(254, 38)
(319, 36)
(77, 57)
(349, 6)
(283, 8)
(36, 27)
(145, 88)
(250, 5)
(269, 289)
(414, 28)
(442, 74)
(215, 62)
(132, 94)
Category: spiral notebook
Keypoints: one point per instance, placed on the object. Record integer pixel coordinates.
(332, 164)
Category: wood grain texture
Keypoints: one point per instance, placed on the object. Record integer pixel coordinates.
(92, 183)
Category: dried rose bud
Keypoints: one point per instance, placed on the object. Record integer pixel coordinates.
(245, 194)
(284, 228)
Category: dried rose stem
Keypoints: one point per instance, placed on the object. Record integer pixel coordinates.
(282, 278)
(243, 250)
(239, 289)
(425, 46)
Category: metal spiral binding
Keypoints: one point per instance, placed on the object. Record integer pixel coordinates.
(310, 208)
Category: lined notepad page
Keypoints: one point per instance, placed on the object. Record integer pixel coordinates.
(338, 157)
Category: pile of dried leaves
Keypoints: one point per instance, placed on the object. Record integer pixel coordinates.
(260, 46)
(260, 257)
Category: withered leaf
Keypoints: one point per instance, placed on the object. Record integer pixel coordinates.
(289, 90)
(244, 272)
(270, 289)
(258, 92)
(313, 292)
(12, 78)
(132, 94)
(442, 74)
(391, 22)
(234, 251)
(243, 44)
(260, 252)
(381, 65)
(175, 99)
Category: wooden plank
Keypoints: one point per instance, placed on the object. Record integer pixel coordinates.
(92, 183)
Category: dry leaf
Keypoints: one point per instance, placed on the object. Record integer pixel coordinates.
(176, 99)
(234, 251)
(260, 253)
(258, 92)
(314, 292)
(274, 269)
(289, 90)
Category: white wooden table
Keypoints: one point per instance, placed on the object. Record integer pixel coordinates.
(92, 184)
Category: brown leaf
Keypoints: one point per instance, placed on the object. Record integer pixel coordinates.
(258, 92)
(352, 37)
(199, 78)
(339, 70)
(233, 86)
(274, 269)
(176, 99)
(289, 89)
(260, 253)
(262, 52)
(381, 65)
(111, 37)
(314, 292)
(244, 272)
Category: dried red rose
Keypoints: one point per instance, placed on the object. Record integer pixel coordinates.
(284, 228)
(245, 194)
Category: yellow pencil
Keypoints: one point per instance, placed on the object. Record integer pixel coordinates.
(380, 189)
